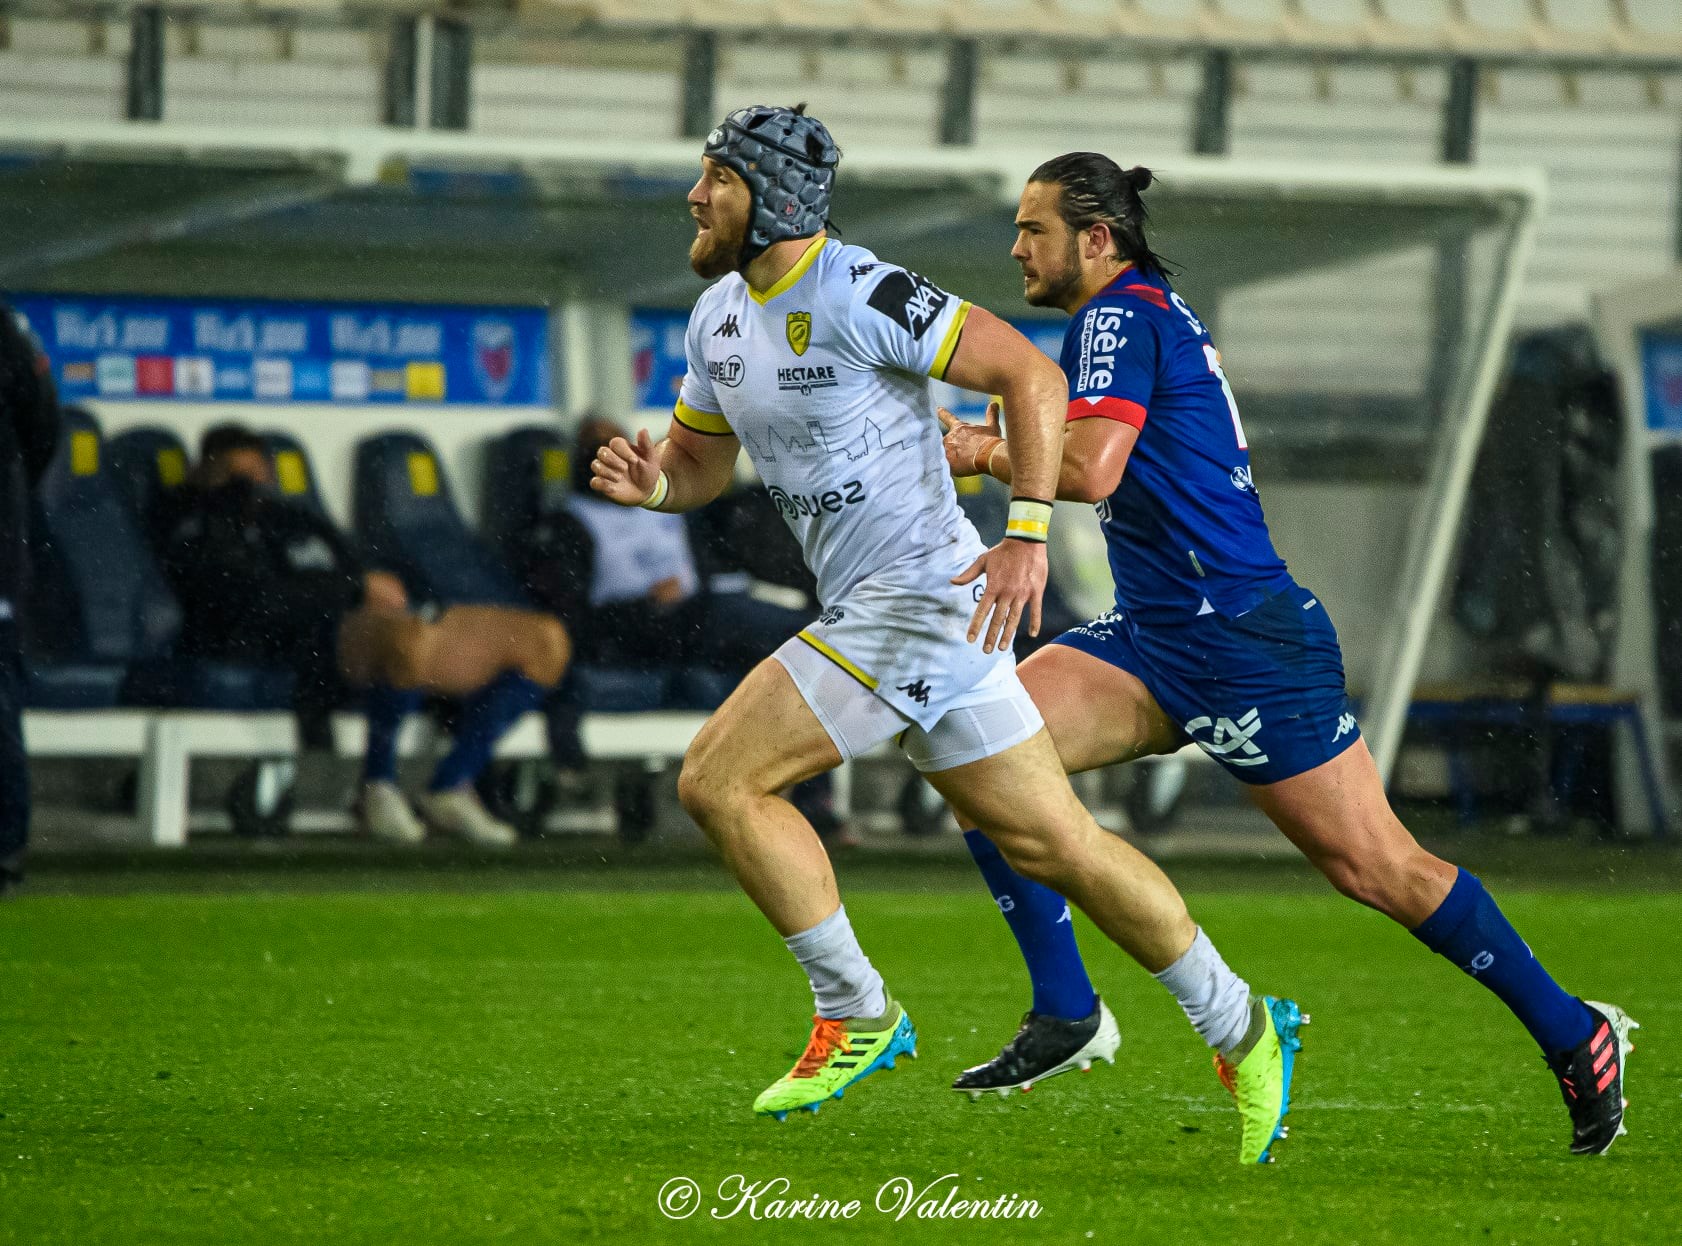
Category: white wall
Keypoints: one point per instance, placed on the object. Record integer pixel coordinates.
(331, 434)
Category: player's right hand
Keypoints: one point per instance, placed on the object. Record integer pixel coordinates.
(964, 442)
(626, 473)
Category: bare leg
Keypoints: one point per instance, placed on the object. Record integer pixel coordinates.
(759, 742)
(1339, 817)
(466, 648)
(1022, 799)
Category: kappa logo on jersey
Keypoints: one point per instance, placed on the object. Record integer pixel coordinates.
(1345, 725)
(726, 371)
(910, 301)
(806, 379)
(1100, 341)
(917, 691)
(799, 329)
(1242, 480)
(1231, 742)
(729, 328)
(861, 270)
(811, 505)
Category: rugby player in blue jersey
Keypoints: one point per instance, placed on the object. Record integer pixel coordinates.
(1212, 641)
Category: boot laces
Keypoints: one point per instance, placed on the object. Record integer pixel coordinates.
(827, 1036)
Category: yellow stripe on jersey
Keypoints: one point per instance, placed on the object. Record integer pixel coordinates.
(709, 422)
(786, 282)
(829, 652)
(949, 344)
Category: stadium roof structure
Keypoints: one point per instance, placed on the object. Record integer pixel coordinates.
(394, 214)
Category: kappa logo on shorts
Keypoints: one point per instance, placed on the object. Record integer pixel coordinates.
(1345, 725)
(917, 691)
(1231, 742)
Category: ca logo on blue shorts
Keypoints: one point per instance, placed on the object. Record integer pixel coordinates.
(1231, 742)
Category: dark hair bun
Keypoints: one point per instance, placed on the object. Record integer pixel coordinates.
(1139, 177)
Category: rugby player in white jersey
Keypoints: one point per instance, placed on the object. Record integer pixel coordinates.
(815, 357)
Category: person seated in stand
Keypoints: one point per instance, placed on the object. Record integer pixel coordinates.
(720, 596)
(264, 581)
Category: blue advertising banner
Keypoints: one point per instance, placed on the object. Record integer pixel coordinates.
(237, 351)
(658, 362)
(1661, 368)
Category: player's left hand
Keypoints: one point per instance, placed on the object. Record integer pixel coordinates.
(965, 443)
(1016, 572)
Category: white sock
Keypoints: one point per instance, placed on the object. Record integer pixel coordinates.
(1216, 1000)
(844, 982)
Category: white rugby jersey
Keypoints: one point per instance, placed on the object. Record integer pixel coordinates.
(824, 378)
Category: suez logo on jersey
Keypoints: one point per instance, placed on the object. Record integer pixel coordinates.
(811, 505)
(1099, 345)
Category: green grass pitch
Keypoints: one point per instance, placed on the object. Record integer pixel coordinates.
(381, 1060)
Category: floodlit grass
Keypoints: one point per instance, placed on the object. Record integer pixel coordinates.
(371, 1065)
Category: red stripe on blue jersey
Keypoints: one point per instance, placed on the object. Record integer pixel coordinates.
(1118, 409)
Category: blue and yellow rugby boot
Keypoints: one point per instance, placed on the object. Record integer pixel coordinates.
(1261, 1080)
(838, 1054)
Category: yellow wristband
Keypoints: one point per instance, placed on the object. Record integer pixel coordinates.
(1030, 520)
(662, 487)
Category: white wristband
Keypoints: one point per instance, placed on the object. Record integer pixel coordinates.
(662, 487)
(1030, 520)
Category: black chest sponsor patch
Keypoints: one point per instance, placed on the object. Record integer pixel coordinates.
(912, 302)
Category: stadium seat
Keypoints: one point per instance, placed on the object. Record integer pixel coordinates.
(102, 618)
(527, 471)
(294, 476)
(145, 463)
(98, 602)
(407, 520)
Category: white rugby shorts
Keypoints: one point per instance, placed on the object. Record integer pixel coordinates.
(993, 715)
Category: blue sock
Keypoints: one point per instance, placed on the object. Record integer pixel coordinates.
(385, 709)
(488, 713)
(1040, 920)
(1471, 931)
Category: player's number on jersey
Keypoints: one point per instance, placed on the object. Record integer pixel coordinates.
(1214, 358)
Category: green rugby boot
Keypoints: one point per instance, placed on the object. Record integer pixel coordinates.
(1261, 1080)
(839, 1054)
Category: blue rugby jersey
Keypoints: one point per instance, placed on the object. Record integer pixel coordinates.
(1184, 527)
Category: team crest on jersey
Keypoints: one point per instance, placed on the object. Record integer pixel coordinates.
(799, 331)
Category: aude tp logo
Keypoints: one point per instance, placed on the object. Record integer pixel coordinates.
(726, 371)
(1228, 741)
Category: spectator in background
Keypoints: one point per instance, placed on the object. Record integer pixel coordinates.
(29, 430)
(264, 581)
(642, 590)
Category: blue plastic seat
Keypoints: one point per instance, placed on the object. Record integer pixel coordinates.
(527, 473)
(406, 518)
(102, 620)
(294, 474)
(144, 464)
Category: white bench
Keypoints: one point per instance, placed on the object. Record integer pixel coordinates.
(166, 742)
